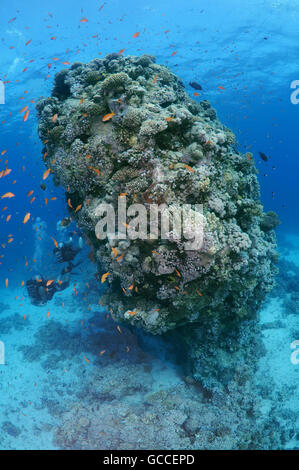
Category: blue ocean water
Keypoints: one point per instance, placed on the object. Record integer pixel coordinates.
(245, 56)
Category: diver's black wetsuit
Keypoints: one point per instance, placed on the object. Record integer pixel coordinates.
(40, 293)
(65, 253)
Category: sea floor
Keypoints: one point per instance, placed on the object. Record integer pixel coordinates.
(72, 379)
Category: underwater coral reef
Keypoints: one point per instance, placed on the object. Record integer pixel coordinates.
(125, 126)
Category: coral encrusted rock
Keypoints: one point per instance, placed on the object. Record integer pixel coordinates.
(124, 127)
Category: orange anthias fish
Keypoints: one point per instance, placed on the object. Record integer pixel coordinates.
(55, 242)
(23, 109)
(104, 277)
(46, 174)
(5, 172)
(26, 218)
(132, 312)
(54, 118)
(114, 251)
(107, 117)
(7, 195)
(189, 168)
(78, 208)
(97, 171)
(136, 35)
(26, 115)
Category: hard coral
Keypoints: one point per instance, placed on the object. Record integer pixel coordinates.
(159, 146)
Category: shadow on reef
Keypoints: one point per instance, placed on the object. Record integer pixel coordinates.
(12, 322)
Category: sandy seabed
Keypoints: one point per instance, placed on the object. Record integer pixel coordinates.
(122, 390)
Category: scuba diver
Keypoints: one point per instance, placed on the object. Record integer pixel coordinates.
(41, 290)
(65, 252)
